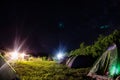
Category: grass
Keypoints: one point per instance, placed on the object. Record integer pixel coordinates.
(47, 70)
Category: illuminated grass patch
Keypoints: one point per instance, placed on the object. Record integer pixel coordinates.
(47, 70)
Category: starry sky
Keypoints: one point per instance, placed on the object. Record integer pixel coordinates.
(48, 26)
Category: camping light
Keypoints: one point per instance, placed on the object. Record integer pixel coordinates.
(22, 55)
(114, 70)
(14, 55)
(60, 55)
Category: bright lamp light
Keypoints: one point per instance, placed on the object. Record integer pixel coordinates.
(14, 55)
(60, 55)
(23, 55)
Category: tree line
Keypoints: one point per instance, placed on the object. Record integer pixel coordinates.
(99, 46)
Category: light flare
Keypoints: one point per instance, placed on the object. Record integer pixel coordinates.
(18, 45)
(22, 55)
(60, 55)
(14, 55)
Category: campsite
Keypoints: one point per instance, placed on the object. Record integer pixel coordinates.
(48, 70)
(60, 40)
(75, 66)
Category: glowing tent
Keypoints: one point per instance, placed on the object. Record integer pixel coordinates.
(6, 71)
(108, 65)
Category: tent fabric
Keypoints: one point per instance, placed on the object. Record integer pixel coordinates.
(79, 61)
(69, 59)
(6, 71)
(64, 60)
(107, 64)
(70, 62)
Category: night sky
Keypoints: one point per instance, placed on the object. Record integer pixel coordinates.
(48, 26)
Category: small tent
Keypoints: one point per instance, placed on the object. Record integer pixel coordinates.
(64, 60)
(6, 71)
(68, 60)
(108, 64)
(79, 61)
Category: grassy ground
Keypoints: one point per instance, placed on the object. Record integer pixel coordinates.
(47, 70)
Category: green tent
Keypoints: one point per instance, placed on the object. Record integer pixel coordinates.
(108, 64)
(6, 71)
